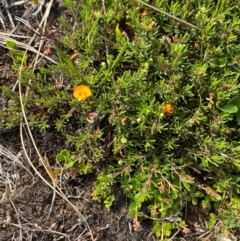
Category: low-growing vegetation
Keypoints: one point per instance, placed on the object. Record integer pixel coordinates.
(148, 103)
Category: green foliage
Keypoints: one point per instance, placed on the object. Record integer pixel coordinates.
(136, 62)
(19, 57)
(66, 157)
(70, 160)
(109, 201)
(232, 108)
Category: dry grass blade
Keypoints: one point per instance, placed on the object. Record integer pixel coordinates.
(19, 222)
(5, 152)
(44, 159)
(57, 189)
(43, 231)
(27, 24)
(1, 20)
(54, 185)
(44, 21)
(5, 6)
(39, 8)
(14, 35)
(4, 38)
(106, 46)
(169, 15)
(54, 178)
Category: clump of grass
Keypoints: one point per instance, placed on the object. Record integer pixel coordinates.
(163, 122)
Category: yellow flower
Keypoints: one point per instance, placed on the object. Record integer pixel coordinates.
(82, 92)
(168, 109)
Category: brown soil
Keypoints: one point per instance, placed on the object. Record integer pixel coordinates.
(26, 208)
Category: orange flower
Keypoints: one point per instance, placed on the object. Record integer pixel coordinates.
(82, 92)
(168, 109)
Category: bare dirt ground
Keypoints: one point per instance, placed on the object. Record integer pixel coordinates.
(24, 209)
(26, 199)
